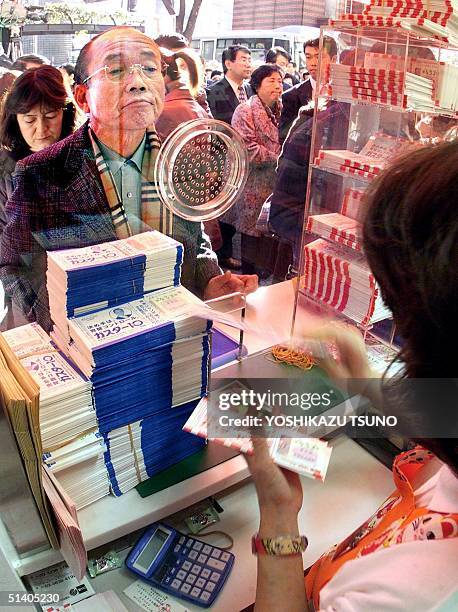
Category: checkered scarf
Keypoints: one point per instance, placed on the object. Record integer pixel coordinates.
(153, 212)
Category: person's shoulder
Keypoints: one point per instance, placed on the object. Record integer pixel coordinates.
(296, 90)
(218, 89)
(7, 163)
(57, 154)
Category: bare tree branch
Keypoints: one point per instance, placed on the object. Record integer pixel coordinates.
(189, 30)
(169, 6)
(179, 22)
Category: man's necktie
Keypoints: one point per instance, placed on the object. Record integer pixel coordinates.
(242, 94)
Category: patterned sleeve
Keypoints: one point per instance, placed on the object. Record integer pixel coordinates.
(200, 262)
(243, 123)
(20, 253)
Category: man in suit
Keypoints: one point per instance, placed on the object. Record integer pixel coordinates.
(281, 58)
(98, 184)
(225, 95)
(223, 98)
(303, 94)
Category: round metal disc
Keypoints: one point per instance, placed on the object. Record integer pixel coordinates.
(201, 168)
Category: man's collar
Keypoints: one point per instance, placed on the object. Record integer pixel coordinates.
(234, 85)
(312, 82)
(116, 161)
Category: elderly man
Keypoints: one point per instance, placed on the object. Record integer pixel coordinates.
(97, 184)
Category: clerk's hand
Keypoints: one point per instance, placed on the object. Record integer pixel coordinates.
(230, 283)
(279, 490)
(352, 360)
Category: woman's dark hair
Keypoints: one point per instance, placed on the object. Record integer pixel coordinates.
(274, 52)
(44, 86)
(177, 44)
(410, 237)
(262, 72)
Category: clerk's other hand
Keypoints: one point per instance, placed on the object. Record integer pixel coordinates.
(352, 362)
(230, 283)
(279, 490)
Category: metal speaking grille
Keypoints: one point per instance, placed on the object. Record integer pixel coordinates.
(201, 169)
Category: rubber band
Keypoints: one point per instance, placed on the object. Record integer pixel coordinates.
(284, 354)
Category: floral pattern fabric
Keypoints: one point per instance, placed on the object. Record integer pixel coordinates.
(252, 121)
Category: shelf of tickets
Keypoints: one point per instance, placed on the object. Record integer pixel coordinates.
(390, 107)
(392, 35)
(360, 120)
(340, 173)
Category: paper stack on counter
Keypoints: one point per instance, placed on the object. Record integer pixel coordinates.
(66, 408)
(80, 468)
(68, 424)
(141, 357)
(342, 280)
(60, 580)
(336, 227)
(144, 358)
(307, 456)
(70, 536)
(94, 277)
(136, 452)
(20, 402)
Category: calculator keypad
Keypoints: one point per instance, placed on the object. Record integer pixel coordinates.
(195, 569)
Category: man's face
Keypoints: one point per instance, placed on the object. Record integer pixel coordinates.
(240, 68)
(133, 102)
(282, 62)
(311, 61)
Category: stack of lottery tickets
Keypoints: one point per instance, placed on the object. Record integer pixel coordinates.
(352, 205)
(72, 446)
(145, 358)
(342, 281)
(434, 18)
(355, 164)
(136, 452)
(90, 278)
(337, 228)
(307, 456)
(382, 85)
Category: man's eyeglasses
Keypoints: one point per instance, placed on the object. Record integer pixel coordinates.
(119, 73)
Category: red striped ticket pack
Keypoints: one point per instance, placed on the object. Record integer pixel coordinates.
(343, 282)
(419, 25)
(348, 160)
(352, 203)
(433, 18)
(382, 81)
(337, 228)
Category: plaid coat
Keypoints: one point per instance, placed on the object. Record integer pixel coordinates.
(59, 202)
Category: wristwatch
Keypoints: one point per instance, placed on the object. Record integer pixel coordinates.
(286, 545)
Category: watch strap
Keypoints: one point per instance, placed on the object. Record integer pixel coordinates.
(281, 546)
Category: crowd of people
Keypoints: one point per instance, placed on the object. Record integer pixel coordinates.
(42, 105)
(79, 146)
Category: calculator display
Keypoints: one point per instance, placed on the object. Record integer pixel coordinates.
(151, 550)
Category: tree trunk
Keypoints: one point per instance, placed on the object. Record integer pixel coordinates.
(189, 30)
(179, 22)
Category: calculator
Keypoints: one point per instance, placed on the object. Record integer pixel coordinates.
(180, 565)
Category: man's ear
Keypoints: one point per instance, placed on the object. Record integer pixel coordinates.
(80, 94)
